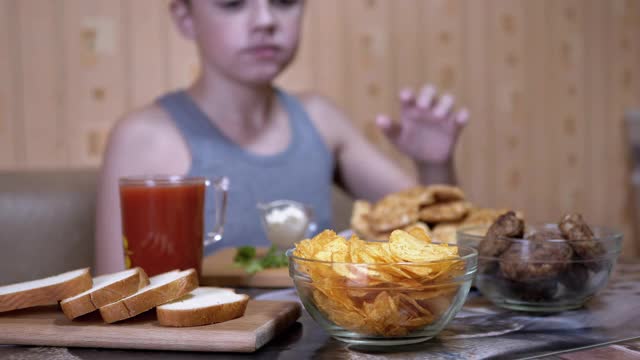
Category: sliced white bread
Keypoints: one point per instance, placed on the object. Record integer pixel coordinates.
(45, 291)
(162, 289)
(106, 290)
(203, 306)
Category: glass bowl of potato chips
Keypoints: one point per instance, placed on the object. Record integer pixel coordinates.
(401, 291)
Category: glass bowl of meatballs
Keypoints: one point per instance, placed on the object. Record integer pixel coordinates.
(542, 268)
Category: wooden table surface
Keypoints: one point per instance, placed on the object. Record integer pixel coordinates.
(627, 350)
(304, 340)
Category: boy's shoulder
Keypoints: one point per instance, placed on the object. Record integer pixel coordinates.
(149, 126)
(146, 141)
(151, 123)
(323, 111)
(316, 103)
(331, 121)
(150, 117)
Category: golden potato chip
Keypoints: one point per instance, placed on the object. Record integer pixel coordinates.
(338, 298)
(419, 233)
(410, 305)
(382, 314)
(308, 248)
(358, 252)
(394, 330)
(422, 255)
(384, 236)
(381, 309)
(360, 294)
(345, 270)
(406, 247)
(339, 309)
(364, 276)
(419, 224)
(335, 246)
(379, 251)
(438, 305)
(430, 292)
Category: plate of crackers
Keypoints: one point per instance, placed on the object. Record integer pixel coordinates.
(438, 209)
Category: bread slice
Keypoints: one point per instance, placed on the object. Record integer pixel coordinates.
(203, 306)
(45, 291)
(106, 289)
(161, 289)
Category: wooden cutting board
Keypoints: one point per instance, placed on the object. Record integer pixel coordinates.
(218, 270)
(47, 326)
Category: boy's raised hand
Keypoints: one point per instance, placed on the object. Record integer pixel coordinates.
(428, 128)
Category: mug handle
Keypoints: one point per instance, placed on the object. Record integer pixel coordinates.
(221, 189)
(313, 225)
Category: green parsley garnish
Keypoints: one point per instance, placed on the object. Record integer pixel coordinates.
(246, 258)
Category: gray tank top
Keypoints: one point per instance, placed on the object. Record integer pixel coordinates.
(303, 172)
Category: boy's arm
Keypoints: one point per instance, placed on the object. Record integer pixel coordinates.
(444, 173)
(427, 133)
(365, 172)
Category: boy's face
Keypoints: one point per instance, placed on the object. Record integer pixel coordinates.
(247, 40)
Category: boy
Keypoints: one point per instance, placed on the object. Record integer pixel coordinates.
(232, 121)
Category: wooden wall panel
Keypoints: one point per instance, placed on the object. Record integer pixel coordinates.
(597, 58)
(506, 52)
(297, 76)
(8, 109)
(147, 49)
(547, 83)
(96, 61)
(539, 156)
(369, 89)
(566, 105)
(479, 134)
(407, 55)
(369, 51)
(41, 88)
(443, 57)
(329, 48)
(183, 64)
(623, 48)
(442, 22)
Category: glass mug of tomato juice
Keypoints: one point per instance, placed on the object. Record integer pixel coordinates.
(163, 221)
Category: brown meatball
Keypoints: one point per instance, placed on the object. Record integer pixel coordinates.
(507, 225)
(575, 278)
(536, 259)
(537, 291)
(545, 235)
(581, 239)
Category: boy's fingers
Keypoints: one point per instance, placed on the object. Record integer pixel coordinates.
(443, 107)
(425, 98)
(388, 126)
(383, 121)
(460, 120)
(407, 97)
(462, 117)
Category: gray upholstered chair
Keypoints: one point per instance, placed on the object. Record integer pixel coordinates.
(47, 222)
